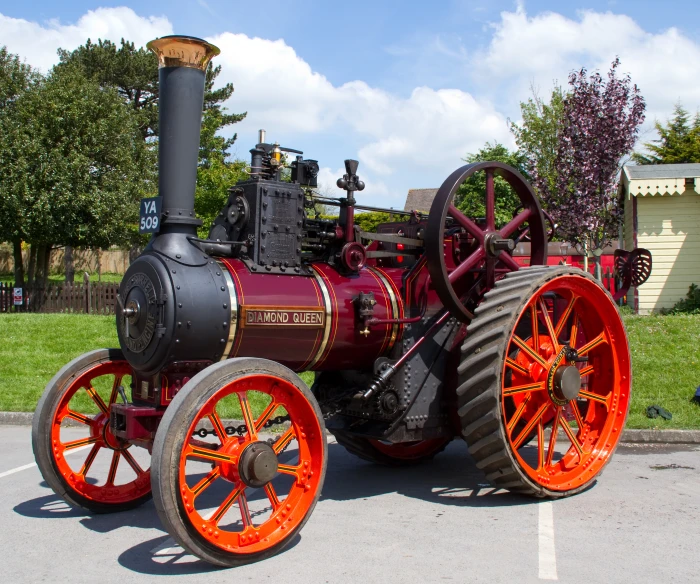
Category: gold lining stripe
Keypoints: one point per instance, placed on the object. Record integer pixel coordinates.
(394, 304)
(318, 333)
(329, 323)
(387, 301)
(233, 303)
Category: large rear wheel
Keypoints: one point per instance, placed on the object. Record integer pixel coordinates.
(229, 497)
(545, 382)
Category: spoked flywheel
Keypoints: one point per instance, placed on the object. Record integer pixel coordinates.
(232, 498)
(481, 250)
(77, 454)
(545, 381)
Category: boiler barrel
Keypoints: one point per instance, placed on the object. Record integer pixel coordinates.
(310, 323)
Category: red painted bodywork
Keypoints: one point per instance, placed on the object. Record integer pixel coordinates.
(338, 344)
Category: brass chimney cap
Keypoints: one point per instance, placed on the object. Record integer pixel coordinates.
(183, 51)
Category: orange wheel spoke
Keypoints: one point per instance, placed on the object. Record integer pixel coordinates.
(78, 443)
(226, 505)
(535, 323)
(206, 481)
(564, 317)
(574, 333)
(553, 436)
(88, 421)
(517, 443)
(572, 437)
(132, 462)
(90, 459)
(605, 400)
(518, 413)
(524, 388)
(577, 414)
(207, 454)
(548, 324)
(516, 366)
(266, 415)
(115, 389)
(289, 469)
(247, 415)
(586, 370)
(245, 511)
(272, 495)
(540, 444)
(113, 467)
(218, 427)
(284, 440)
(599, 340)
(528, 350)
(92, 392)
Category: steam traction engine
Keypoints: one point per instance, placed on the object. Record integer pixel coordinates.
(421, 332)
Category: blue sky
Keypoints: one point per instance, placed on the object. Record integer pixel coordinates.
(407, 87)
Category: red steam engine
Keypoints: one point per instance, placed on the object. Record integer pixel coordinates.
(422, 332)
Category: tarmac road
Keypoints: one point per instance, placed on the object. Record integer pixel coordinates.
(437, 522)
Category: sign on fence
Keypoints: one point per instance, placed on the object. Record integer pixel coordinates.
(17, 296)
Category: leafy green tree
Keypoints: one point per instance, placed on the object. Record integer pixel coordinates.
(16, 78)
(538, 139)
(678, 142)
(81, 159)
(471, 196)
(134, 74)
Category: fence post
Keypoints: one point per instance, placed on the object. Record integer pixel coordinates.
(86, 290)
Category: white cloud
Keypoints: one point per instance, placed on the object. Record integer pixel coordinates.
(38, 43)
(546, 47)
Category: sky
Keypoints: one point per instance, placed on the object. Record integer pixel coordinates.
(407, 88)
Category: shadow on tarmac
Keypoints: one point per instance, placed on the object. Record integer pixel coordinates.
(449, 479)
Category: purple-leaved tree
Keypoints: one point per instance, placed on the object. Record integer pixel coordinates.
(600, 122)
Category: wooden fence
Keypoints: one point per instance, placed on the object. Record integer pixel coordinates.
(87, 297)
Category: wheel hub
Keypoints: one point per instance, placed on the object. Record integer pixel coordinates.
(567, 382)
(257, 465)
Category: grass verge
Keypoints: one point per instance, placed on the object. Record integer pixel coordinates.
(665, 358)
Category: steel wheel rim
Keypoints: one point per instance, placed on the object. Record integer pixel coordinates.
(444, 282)
(100, 437)
(528, 404)
(287, 513)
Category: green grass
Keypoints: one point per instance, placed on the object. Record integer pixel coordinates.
(666, 369)
(665, 359)
(60, 278)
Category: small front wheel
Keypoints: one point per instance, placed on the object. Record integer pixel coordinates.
(237, 494)
(75, 450)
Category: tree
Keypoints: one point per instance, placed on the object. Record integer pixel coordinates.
(213, 182)
(538, 139)
(16, 78)
(80, 160)
(601, 121)
(134, 74)
(678, 141)
(471, 196)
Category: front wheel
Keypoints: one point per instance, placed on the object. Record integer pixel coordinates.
(234, 495)
(75, 450)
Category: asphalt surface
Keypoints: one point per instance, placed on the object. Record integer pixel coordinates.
(437, 522)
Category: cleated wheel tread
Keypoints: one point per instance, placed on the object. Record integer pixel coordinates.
(481, 401)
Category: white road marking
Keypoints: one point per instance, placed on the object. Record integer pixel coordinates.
(548, 558)
(33, 464)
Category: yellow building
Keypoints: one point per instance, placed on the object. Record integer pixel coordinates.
(662, 214)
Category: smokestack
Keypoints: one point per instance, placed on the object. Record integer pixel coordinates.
(182, 65)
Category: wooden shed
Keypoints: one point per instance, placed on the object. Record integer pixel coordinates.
(662, 214)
